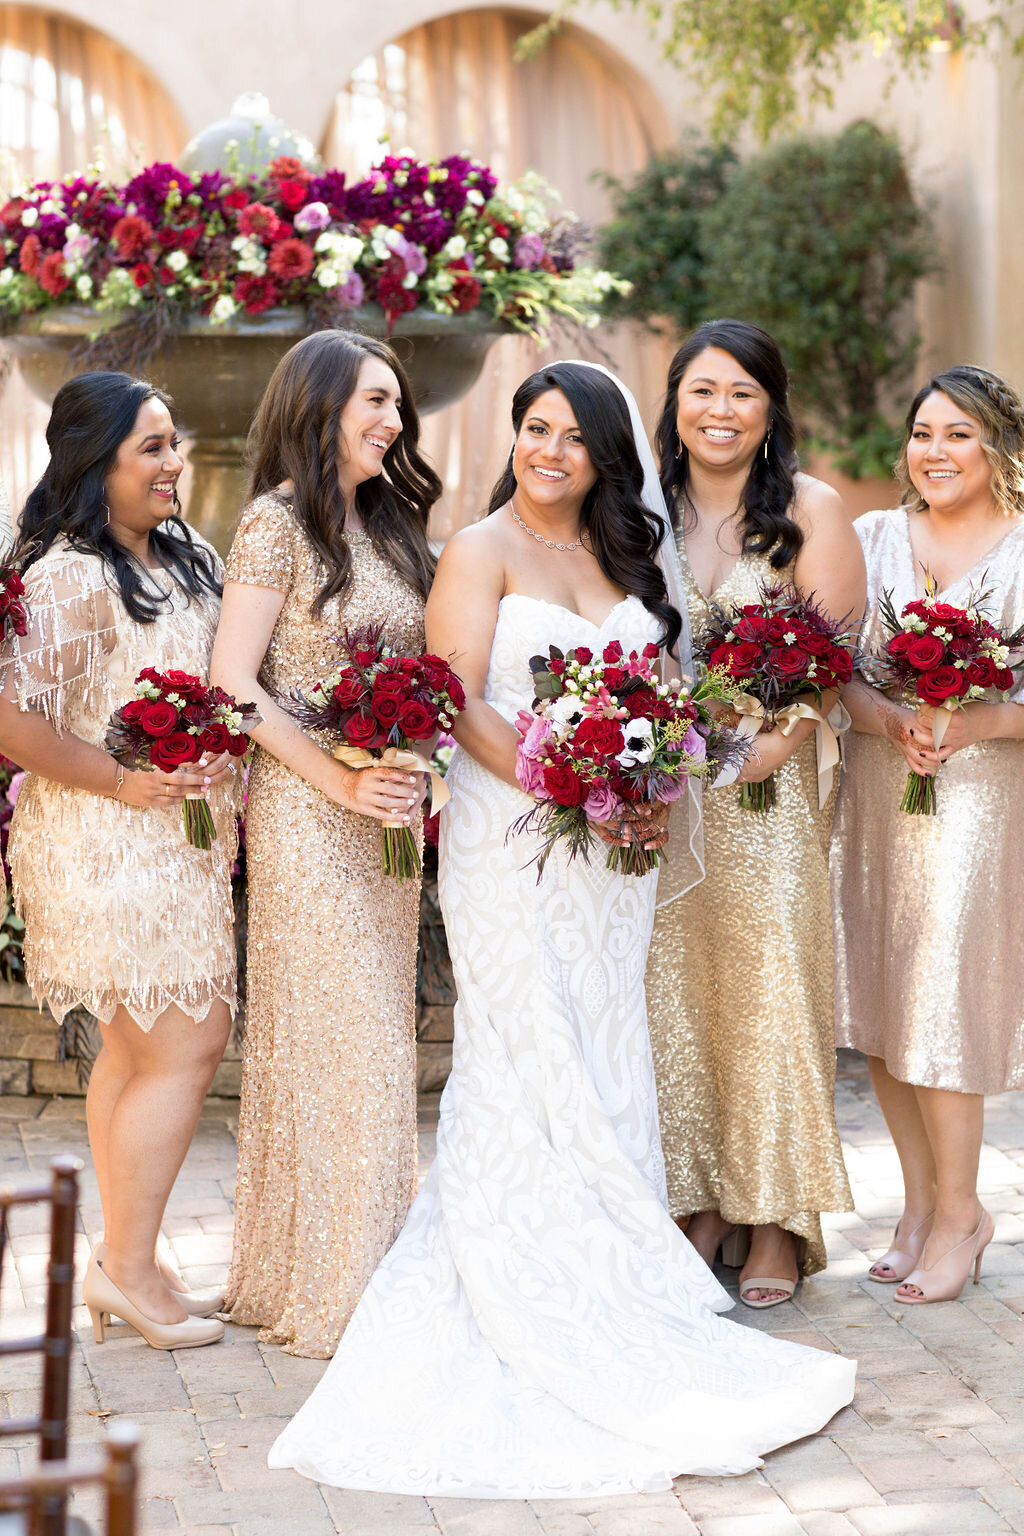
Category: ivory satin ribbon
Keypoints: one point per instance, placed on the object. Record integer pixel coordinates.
(397, 757)
(827, 731)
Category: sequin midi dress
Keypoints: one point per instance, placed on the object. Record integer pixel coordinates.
(327, 1132)
(120, 910)
(739, 999)
(929, 965)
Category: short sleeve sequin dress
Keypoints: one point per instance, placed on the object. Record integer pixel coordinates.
(739, 999)
(327, 1132)
(120, 910)
(929, 967)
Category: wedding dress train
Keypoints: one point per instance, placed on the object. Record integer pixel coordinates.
(541, 1328)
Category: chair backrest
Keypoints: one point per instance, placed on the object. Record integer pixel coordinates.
(34, 1493)
(50, 1423)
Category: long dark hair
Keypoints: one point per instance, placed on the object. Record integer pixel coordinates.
(92, 415)
(623, 534)
(295, 437)
(768, 528)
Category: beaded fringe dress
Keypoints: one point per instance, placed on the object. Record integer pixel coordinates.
(739, 999)
(119, 908)
(327, 1132)
(929, 967)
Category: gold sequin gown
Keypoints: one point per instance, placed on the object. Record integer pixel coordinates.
(120, 910)
(739, 999)
(929, 967)
(327, 1132)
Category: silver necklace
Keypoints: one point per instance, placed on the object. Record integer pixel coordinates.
(551, 543)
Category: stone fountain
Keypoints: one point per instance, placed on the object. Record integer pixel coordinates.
(216, 374)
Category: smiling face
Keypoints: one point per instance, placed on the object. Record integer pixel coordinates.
(552, 467)
(139, 490)
(722, 412)
(945, 459)
(368, 425)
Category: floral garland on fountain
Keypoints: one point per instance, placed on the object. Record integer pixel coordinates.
(223, 245)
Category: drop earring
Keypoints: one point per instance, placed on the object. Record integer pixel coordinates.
(106, 509)
(765, 446)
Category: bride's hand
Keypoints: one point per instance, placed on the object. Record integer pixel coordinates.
(616, 830)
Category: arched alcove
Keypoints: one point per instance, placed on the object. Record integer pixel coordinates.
(69, 95)
(452, 85)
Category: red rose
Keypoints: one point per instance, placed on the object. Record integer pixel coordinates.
(924, 652)
(292, 193)
(143, 274)
(456, 693)
(897, 646)
(364, 658)
(15, 585)
(556, 666)
(349, 690)
(945, 614)
(238, 746)
(158, 718)
(815, 645)
(982, 672)
(386, 707)
(436, 673)
(740, 660)
(776, 630)
(651, 651)
(236, 198)
(1004, 679)
(613, 677)
(417, 720)
(840, 663)
(751, 628)
(612, 651)
(640, 703)
(583, 655)
(790, 663)
(364, 731)
(465, 292)
(599, 737)
(215, 738)
(132, 711)
(944, 683)
(563, 786)
(171, 751)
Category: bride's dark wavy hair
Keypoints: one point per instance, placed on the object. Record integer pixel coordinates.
(623, 534)
(92, 415)
(768, 527)
(295, 437)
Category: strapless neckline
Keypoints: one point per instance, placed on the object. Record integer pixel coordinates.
(544, 602)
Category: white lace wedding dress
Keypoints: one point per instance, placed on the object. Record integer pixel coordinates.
(541, 1328)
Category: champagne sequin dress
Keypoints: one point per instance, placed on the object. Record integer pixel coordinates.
(739, 999)
(327, 1131)
(929, 965)
(120, 910)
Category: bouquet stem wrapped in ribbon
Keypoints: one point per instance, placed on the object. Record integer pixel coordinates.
(173, 721)
(606, 737)
(944, 656)
(776, 651)
(381, 704)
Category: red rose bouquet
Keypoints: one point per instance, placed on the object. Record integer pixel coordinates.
(13, 613)
(379, 703)
(944, 656)
(605, 735)
(174, 720)
(777, 651)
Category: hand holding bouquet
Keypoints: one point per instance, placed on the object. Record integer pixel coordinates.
(606, 736)
(777, 651)
(379, 704)
(173, 721)
(943, 656)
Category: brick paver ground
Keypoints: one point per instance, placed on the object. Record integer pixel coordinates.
(933, 1445)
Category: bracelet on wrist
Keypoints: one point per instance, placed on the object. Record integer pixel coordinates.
(119, 782)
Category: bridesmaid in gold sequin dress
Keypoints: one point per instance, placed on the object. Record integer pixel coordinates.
(122, 916)
(739, 980)
(327, 1135)
(929, 976)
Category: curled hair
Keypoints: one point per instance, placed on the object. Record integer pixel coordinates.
(999, 412)
(768, 528)
(295, 437)
(92, 415)
(622, 532)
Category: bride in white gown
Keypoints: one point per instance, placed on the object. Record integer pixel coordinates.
(541, 1328)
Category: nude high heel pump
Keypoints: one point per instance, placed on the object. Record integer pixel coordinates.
(195, 1303)
(103, 1297)
(947, 1277)
(900, 1261)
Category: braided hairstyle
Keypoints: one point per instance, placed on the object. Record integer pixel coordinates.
(768, 527)
(999, 411)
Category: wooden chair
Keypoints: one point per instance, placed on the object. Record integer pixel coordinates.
(50, 1424)
(31, 1499)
